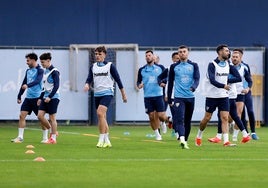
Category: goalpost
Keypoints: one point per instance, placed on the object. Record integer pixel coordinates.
(123, 56)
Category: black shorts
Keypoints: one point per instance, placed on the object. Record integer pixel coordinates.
(103, 100)
(154, 104)
(221, 103)
(30, 105)
(51, 107)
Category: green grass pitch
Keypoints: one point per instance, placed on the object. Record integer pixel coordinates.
(134, 160)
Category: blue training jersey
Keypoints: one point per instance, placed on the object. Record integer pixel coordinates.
(148, 75)
(33, 79)
(184, 76)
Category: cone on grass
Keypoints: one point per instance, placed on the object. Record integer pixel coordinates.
(29, 146)
(29, 152)
(39, 159)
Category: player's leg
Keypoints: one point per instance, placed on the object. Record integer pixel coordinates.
(251, 115)
(218, 137)
(239, 123)
(239, 106)
(189, 109)
(52, 111)
(103, 104)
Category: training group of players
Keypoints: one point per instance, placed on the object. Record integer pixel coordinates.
(228, 85)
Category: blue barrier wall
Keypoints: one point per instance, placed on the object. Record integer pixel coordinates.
(148, 23)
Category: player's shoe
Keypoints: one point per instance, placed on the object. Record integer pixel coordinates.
(214, 140)
(163, 127)
(198, 141)
(228, 144)
(99, 144)
(51, 141)
(170, 125)
(158, 138)
(107, 145)
(17, 140)
(254, 136)
(184, 145)
(245, 139)
(44, 141)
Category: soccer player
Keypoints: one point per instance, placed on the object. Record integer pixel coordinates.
(184, 76)
(233, 109)
(163, 124)
(153, 93)
(103, 74)
(162, 79)
(217, 93)
(242, 87)
(32, 82)
(248, 103)
(50, 99)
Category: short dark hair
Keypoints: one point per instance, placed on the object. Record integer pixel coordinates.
(238, 50)
(32, 56)
(149, 51)
(183, 46)
(45, 56)
(174, 53)
(220, 47)
(101, 49)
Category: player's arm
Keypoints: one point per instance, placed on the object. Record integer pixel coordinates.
(162, 78)
(21, 88)
(117, 79)
(139, 79)
(248, 78)
(196, 77)
(171, 77)
(89, 79)
(235, 75)
(38, 79)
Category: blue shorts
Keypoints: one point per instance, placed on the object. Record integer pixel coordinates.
(51, 107)
(30, 105)
(154, 104)
(103, 100)
(240, 98)
(221, 103)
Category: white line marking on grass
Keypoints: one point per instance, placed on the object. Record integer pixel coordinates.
(134, 160)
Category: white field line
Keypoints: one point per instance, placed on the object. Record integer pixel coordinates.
(136, 160)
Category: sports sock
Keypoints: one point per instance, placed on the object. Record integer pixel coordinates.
(219, 135)
(244, 133)
(21, 131)
(101, 137)
(45, 134)
(199, 134)
(54, 136)
(182, 139)
(157, 134)
(235, 133)
(225, 137)
(106, 138)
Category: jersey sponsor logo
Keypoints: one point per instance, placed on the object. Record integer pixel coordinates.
(101, 74)
(222, 74)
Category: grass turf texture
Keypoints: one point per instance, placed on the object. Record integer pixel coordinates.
(134, 160)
